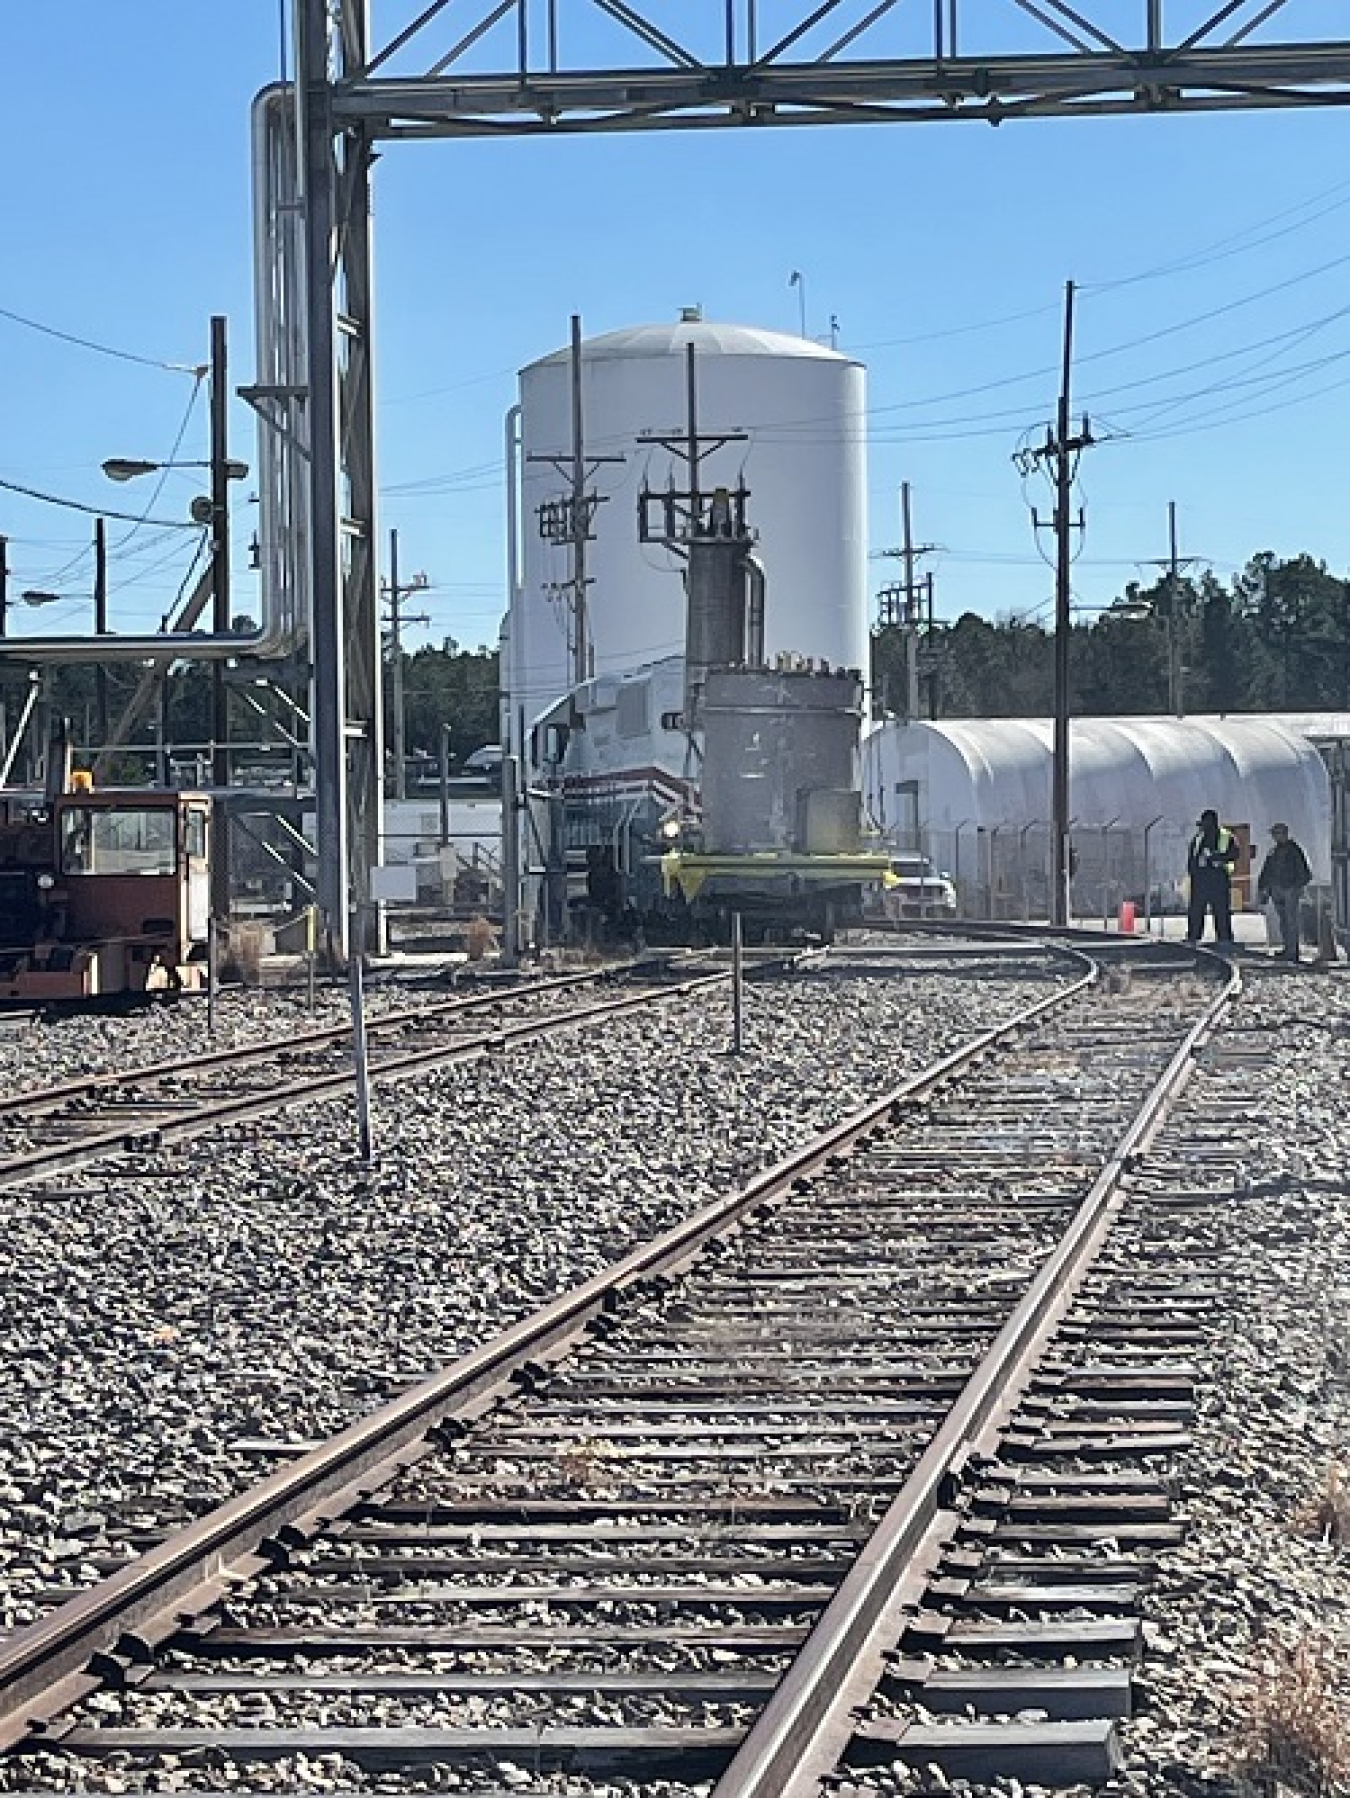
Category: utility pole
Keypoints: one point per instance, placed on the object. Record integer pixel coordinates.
(100, 630)
(569, 520)
(1176, 667)
(911, 619)
(707, 527)
(394, 593)
(1173, 608)
(905, 607)
(4, 586)
(1062, 451)
(584, 649)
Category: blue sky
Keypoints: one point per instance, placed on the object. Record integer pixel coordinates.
(1213, 329)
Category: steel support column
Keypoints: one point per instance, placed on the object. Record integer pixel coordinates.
(343, 599)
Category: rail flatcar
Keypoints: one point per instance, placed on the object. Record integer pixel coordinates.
(103, 894)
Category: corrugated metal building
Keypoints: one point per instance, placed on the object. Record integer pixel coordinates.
(975, 795)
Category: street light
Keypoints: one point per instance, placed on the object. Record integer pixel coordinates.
(127, 468)
(1171, 609)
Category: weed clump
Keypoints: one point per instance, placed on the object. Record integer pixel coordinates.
(1326, 1516)
(479, 938)
(1298, 1734)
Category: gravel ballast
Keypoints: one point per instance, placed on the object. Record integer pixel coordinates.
(262, 1286)
(289, 1286)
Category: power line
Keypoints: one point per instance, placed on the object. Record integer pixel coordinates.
(74, 505)
(164, 463)
(101, 349)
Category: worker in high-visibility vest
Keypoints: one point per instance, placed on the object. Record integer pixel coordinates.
(1213, 856)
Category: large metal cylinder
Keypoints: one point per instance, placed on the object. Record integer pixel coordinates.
(780, 768)
(802, 458)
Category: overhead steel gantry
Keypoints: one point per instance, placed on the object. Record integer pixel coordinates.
(543, 67)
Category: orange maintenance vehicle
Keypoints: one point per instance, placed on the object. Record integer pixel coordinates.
(103, 894)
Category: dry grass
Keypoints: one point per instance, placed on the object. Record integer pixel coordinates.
(1298, 1734)
(479, 938)
(583, 1464)
(1326, 1516)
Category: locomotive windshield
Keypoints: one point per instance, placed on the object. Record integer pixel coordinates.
(118, 840)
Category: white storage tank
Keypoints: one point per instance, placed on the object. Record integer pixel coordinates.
(801, 407)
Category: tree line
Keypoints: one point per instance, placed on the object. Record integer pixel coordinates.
(1275, 639)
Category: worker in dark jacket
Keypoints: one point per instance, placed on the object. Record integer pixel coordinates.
(1284, 874)
(1210, 864)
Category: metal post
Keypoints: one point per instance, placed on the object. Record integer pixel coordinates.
(220, 611)
(1022, 867)
(1106, 873)
(212, 974)
(360, 1052)
(990, 892)
(4, 585)
(328, 737)
(100, 630)
(956, 867)
(1148, 894)
(311, 948)
(444, 772)
(737, 987)
(1059, 807)
(510, 861)
(163, 747)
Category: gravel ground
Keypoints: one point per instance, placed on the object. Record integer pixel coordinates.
(467, 1222)
(1257, 1579)
(69, 1045)
(262, 1284)
(1254, 1608)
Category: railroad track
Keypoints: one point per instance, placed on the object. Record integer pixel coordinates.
(854, 1447)
(49, 1129)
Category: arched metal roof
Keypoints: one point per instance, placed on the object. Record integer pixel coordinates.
(1126, 772)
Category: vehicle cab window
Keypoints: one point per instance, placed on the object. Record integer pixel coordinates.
(118, 840)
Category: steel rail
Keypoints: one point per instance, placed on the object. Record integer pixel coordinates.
(149, 1133)
(798, 1737)
(51, 1664)
(46, 1098)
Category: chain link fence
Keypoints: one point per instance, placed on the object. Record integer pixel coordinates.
(1004, 871)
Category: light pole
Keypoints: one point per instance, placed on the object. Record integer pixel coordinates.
(216, 513)
(798, 280)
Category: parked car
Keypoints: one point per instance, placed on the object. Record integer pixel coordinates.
(916, 889)
(485, 764)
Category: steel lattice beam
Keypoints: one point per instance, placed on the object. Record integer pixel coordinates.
(841, 61)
